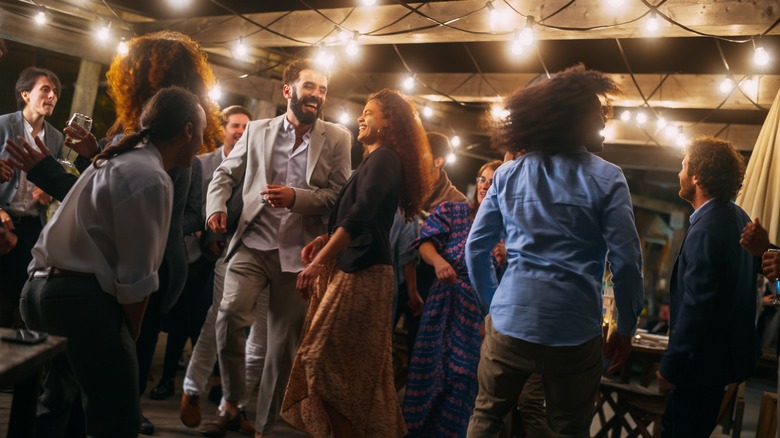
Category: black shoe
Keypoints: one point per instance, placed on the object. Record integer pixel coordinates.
(215, 394)
(163, 390)
(147, 428)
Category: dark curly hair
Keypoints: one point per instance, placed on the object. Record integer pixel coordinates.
(405, 135)
(158, 60)
(547, 115)
(717, 165)
(294, 68)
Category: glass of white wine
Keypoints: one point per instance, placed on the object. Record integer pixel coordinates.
(85, 122)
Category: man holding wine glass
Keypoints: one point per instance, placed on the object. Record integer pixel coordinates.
(22, 204)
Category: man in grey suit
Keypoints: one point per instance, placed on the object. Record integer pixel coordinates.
(22, 204)
(292, 168)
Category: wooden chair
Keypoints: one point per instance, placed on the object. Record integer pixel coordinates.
(636, 410)
(732, 409)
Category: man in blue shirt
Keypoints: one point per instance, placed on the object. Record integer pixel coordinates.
(560, 209)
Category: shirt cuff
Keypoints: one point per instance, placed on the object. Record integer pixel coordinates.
(135, 292)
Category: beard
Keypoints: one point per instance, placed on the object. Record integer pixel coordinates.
(687, 190)
(305, 117)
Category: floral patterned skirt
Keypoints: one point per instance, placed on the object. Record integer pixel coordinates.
(345, 357)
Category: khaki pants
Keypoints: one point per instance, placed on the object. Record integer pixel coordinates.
(570, 375)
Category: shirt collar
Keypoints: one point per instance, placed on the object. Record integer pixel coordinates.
(696, 212)
(29, 129)
(289, 128)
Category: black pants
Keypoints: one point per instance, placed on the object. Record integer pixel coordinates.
(13, 267)
(99, 361)
(692, 412)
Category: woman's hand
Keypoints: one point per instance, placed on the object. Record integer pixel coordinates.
(307, 278)
(313, 248)
(445, 273)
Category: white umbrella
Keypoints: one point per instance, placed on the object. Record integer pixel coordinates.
(760, 192)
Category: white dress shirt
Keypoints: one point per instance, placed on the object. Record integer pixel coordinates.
(278, 228)
(114, 224)
(23, 203)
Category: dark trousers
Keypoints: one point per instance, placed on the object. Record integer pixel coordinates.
(692, 412)
(99, 361)
(13, 267)
(150, 331)
(570, 376)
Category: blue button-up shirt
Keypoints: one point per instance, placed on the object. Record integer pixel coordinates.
(562, 217)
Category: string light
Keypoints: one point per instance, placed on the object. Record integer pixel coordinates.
(104, 33)
(625, 115)
(641, 117)
(179, 4)
(660, 123)
(455, 141)
(749, 86)
(427, 112)
(344, 118)
(761, 57)
(451, 158)
(344, 35)
(526, 37)
(324, 58)
(215, 93)
(681, 139)
(517, 47)
(498, 111)
(40, 17)
(352, 46)
(408, 83)
(122, 48)
(615, 3)
(652, 25)
(369, 2)
(726, 85)
(240, 50)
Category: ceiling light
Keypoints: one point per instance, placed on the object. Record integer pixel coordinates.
(652, 25)
(40, 17)
(324, 58)
(179, 4)
(122, 48)
(215, 93)
(104, 33)
(641, 117)
(408, 83)
(427, 112)
(369, 2)
(451, 158)
(625, 115)
(761, 57)
(517, 47)
(455, 141)
(681, 141)
(353, 48)
(615, 3)
(344, 118)
(526, 36)
(660, 123)
(240, 50)
(498, 111)
(726, 85)
(749, 86)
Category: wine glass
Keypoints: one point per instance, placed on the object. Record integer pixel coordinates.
(84, 121)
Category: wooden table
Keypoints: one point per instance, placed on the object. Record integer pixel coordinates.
(22, 366)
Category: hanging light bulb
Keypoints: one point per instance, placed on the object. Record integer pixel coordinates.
(681, 139)
(179, 4)
(40, 17)
(526, 37)
(344, 35)
(750, 86)
(652, 25)
(615, 3)
(660, 123)
(104, 33)
(726, 85)
(498, 111)
(408, 83)
(240, 49)
(625, 115)
(517, 47)
(455, 141)
(352, 46)
(427, 112)
(451, 158)
(641, 117)
(122, 48)
(369, 2)
(215, 93)
(761, 57)
(344, 118)
(493, 16)
(324, 58)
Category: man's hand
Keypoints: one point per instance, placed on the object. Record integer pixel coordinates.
(754, 238)
(6, 220)
(86, 144)
(24, 156)
(218, 222)
(216, 246)
(42, 197)
(279, 196)
(415, 301)
(664, 384)
(617, 350)
(770, 265)
(6, 171)
(312, 249)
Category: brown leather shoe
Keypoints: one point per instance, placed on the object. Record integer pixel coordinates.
(189, 410)
(219, 426)
(245, 426)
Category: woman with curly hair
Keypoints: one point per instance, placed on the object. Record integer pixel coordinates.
(342, 379)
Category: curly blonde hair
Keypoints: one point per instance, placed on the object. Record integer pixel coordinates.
(405, 135)
(155, 61)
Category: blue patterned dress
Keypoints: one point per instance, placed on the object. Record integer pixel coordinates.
(442, 383)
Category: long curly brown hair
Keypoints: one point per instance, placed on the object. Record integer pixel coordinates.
(158, 60)
(717, 165)
(547, 115)
(405, 135)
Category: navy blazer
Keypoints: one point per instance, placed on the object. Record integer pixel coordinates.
(12, 126)
(713, 302)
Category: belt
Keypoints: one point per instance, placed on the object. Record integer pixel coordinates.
(57, 273)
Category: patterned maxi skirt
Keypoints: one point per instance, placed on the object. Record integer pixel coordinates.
(345, 357)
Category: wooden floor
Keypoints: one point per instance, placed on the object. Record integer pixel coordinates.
(165, 414)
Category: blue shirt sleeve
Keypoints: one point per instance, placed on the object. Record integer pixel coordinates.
(485, 233)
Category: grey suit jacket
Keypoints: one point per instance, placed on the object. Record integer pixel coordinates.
(327, 169)
(11, 126)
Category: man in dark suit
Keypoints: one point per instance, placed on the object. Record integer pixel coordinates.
(713, 298)
(22, 204)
